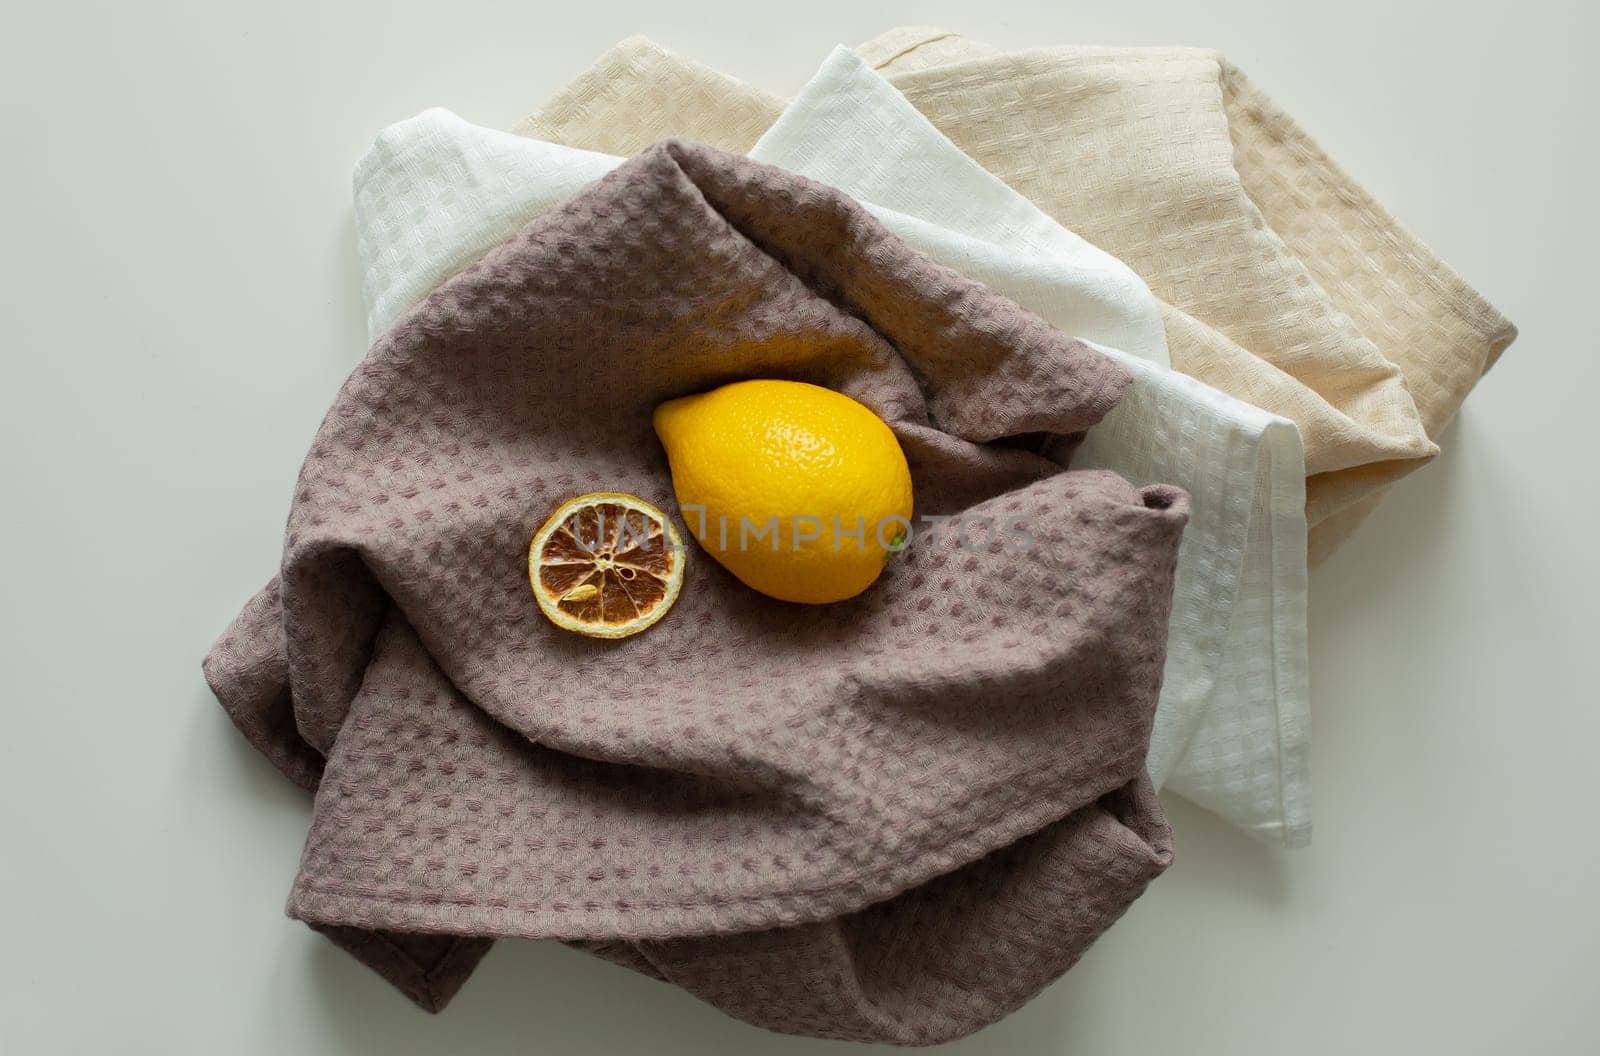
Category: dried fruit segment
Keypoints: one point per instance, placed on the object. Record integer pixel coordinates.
(606, 565)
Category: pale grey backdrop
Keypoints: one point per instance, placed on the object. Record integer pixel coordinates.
(179, 301)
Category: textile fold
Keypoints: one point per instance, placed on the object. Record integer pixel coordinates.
(876, 820)
(1281, 281)
(1234, 712)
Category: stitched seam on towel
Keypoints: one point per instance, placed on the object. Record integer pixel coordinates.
(1290, 825)
(907, 50)
(425, 975)
(1276, 644)
(969, 73)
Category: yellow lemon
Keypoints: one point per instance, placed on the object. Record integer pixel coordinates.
(799, 491)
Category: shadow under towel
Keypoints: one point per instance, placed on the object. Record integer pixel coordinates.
(891, 819)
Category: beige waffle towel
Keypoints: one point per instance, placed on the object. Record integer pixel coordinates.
(1283, 282)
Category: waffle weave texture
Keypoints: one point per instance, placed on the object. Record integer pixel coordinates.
(891, 819)
(1281, 280)
(435, 193)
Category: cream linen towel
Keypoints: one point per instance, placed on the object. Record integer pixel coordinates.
(435, 193)
(1282, 282)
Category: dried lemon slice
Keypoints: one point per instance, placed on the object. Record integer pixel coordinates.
(606, 565)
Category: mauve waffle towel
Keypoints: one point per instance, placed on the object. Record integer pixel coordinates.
(895, 818)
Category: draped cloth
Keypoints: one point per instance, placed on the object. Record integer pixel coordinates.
(1232, 729)
(1281, 280)
(891, 819)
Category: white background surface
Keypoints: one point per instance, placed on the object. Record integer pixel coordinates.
(179, 301)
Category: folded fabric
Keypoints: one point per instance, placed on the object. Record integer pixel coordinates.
(873, 820)
(482, 185)
(1282, 281)
(1232, 729)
